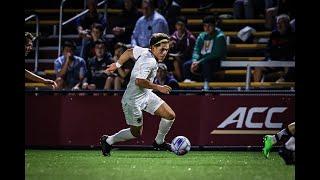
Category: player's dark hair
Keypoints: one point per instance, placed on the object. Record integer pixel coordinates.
(158, 38)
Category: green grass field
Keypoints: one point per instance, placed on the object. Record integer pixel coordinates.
(153, 165)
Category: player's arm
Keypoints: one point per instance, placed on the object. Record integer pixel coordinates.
(144, 83)
(33, 77)
(122, 59)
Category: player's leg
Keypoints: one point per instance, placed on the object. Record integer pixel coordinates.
(167, 118)
(134, 119)
(156, 106)
(288, 151)
(270, 140)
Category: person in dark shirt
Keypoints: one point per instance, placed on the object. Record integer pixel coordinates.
(165, 78)
(85, 22)
(170, 10)
(123, 27)
(96, 77)
(182, 43)
(89, 46)
(281, 47)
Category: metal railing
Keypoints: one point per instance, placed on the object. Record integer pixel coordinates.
(249, 64)
(73, 18)
(36, 55)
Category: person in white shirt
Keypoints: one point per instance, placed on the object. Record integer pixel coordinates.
(139, 97)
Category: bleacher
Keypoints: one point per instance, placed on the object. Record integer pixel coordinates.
(227, 77)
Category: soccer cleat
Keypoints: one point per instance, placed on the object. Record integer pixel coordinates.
(105, 147)
(164, 146)
(287, 155)
(267, 141)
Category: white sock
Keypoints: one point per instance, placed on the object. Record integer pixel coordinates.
(274, 139)
(164, 127)
(123, 135)
(290, 144)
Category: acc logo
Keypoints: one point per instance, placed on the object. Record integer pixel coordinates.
(241, 112)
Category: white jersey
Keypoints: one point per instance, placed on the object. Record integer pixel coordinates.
(145, 67)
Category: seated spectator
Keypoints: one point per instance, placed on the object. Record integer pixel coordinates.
(209, 50)
(250, 9)
(96, 77)
(281, 7)
(85, 22)
(122, 74)
(281, 47)
(151, 22)
(89, 46)
(170, 10)
(70, 69)
(165, 78)
(181, 44)
(123, 27)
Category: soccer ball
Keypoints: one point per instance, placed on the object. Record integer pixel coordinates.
(180, 145)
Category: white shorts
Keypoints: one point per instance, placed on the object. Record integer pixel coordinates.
(133, 113)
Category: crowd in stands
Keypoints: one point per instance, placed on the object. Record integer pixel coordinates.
(191, 58)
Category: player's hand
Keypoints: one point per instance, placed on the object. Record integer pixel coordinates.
(194, 67)
(52, 84)
(164, 89)
(111, 68)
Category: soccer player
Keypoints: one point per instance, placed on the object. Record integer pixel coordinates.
(288, 151)
(139, 97)
(28, 43)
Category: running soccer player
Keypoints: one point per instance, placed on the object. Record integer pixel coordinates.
(139, 97)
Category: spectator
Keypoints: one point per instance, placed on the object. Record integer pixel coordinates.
(209, 50)
(182, 43)
(165, 78)
(122, 74)
(250, 9)
(96, 77)
(89, 46)
(281, 47)
(151, 22)
(125, 23)
(70, 69)
(170, 9)
(281, 7)
(85, 22)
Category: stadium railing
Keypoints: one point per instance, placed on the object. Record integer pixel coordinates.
(250, 64)
(36, 55)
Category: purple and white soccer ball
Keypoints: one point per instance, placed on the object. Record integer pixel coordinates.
(180, 145)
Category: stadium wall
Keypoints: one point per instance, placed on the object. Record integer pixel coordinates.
(214, 120)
